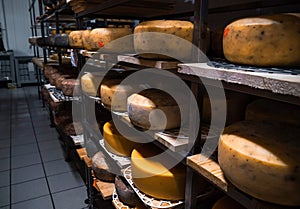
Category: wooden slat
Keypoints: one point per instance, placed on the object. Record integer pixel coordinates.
(105, 188)
(148, 63)
(209, 169)
(81, 153)
(87, 161)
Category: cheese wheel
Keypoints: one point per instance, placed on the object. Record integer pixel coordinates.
(116, 143)
(180, 29)
(153, 177)
(75, 39)
(112, 87)
(102, 37)
(265, 109)
(101, 168)
(86, 39)
(90, 84)
(125, 192)
(227, 203)
(262, 159)
(153, 109)
(272, 40)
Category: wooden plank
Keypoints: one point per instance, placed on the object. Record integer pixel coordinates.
(87, 161)
(81, 153)
(105, 188)
(275, 82)
(208, 169)
(164, 65)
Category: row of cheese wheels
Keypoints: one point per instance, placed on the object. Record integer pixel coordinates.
(258, 155)
(271, 40)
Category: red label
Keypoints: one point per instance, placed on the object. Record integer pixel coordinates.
(101, 44)
(226, 31)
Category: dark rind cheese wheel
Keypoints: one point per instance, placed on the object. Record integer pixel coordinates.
(125, 192)
(101, 168)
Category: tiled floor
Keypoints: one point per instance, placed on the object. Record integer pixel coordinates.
(33, 173)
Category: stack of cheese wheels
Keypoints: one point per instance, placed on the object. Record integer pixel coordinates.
(101, 168)
(153, 109)
(102, 38)
(271, 110)
(116, 143)
(90, 83)
(271, 40)
(233, 106)
(227, 203)
(75, 39)
(262, 159)
(114, 94)
(153, 177)
(156, 46)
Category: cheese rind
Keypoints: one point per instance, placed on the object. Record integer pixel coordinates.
(115, 143)
(227, 203)
(90, 84)
(75, 39)
(101, 168)
(144, 45)
(154, 178)
(153, 109)
(114, 94)
(262, 159)
(272, 40)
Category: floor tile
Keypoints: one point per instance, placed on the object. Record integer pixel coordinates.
(51, 137)
(47, 145)
(38, 203)
(4, 178)
(64, 181)
(24, 149)
(4, 143)
(4, 164)
(27, 174)
(5, 196)
(50, 155)
(66, 200)
(25, 160)
(29, 190)
(4, 153)
(58, 167)
(45, 131)
(5, 134)
(23, 140)
(25, 133)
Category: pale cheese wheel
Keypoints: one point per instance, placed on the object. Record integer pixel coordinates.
(102, 38)
(153, 109)
(227, 203)
(271, 110)
(86, 39)
(272, 40)
(262, 159)
(90, 84)
(116, 143)
(75, 39)
(101, 168)
(114, 95)
(179, 28)
(154, 178)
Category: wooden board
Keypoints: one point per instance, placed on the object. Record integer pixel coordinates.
(105, 188)
(277, 83)
(87, 161)
(81, 153)
(164, 65)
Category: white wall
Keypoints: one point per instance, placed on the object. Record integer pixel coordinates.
(17, 26)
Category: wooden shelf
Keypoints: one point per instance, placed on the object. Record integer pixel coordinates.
(106, 189)
(212, 171)
(81, 153)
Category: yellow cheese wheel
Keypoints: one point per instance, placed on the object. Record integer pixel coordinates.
(153, 109)
(116, 143)
(154, 178)
(227, 203)
(266, 109)
(86, 39)
(75, 38)
(272, 40)
(112, 87)
(262, 159)
(102, 37)
(90, 83)
(181, 29)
